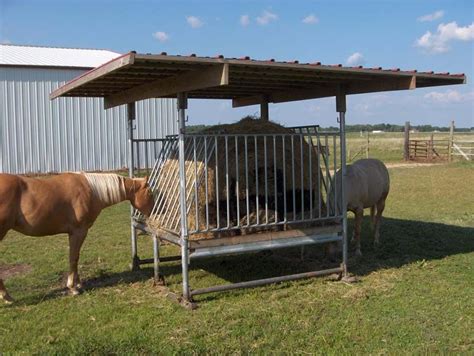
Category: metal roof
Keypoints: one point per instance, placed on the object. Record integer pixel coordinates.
(17, 55)
(134, 77)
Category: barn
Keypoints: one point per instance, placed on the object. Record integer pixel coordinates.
(70, 134)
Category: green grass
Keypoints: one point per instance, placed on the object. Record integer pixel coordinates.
(415, 294)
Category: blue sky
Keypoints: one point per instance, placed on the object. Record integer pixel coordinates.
(423, 35)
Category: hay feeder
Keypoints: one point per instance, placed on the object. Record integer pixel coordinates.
(249, 186)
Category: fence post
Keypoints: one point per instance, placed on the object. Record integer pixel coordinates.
(368, 141)
(431, 147)
(406, 150)
(450, 144)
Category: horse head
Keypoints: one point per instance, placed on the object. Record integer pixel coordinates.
(143, 198)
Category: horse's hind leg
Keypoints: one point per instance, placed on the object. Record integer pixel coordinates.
(359, 214)
(75, 242)
(378, 217)
(3, 291)
(372, 216)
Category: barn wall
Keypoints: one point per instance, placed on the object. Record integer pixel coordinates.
(68, 134)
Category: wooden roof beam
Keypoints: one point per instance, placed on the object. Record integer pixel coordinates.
(323, 91)
(399, 83)
(284, 96)
(213, 76)
(121, 62)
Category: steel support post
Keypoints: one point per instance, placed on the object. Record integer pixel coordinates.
(182, 106)
(156, 258)
(135, 264)
(341, 109)
(264, 114)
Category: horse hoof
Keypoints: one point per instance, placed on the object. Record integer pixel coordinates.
(73, 292)
(7, 299)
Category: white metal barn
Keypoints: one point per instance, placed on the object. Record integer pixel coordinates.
(70, 134)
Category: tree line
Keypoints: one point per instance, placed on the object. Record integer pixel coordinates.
(396, 128)
(375, 127)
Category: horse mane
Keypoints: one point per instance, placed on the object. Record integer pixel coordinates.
(108, 188)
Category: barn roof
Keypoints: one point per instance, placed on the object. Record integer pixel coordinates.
(134, 77)
(18, 55)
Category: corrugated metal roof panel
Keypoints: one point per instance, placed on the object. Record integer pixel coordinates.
(53, 56)
(133, 77)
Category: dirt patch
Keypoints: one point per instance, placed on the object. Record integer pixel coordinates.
(7, 271)
(411, 165)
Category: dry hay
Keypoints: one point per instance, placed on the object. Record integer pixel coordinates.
(273, 163)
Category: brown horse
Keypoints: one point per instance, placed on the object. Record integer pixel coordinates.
(67, 203)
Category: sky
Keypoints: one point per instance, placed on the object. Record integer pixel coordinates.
(423, 35)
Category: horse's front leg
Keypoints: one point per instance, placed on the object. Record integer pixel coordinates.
(4, 294)
(76, 239)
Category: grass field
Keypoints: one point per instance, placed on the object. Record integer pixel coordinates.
(388, 146)
(415, 295)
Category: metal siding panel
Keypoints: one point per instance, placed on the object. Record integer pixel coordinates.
(68, 134)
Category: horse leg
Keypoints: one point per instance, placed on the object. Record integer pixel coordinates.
(378, 217)
(4, 294)
(359, 214)
(3, 291)
(75, 242)
(372, 216)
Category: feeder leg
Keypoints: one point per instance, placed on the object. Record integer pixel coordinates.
(135, 264)
(341, 109)
(185, 270)
(182, 106)
(156, 259)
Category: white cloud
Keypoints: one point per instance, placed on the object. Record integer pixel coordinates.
(313, 108)
(364, 109)
(161, 36)
(355, 59)
(439, 42)
(310, 19)
(431, 17)
(449, 96)
(194, 22)
(266, 18)
(245, 20)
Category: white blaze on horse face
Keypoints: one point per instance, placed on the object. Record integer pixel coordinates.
(108, 188)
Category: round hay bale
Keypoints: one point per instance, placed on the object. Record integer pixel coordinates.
(273, 174)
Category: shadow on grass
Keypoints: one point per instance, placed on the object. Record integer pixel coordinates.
(402, 242)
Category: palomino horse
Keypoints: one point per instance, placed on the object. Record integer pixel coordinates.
(367, 186)
(67, 203)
